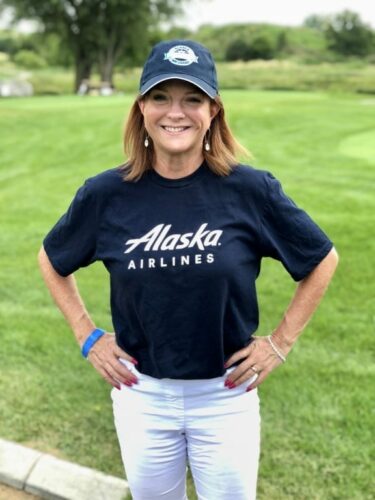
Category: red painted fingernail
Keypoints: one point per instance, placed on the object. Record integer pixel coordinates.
(128, 383)
(134, 361)
(118, 387)
(249, 389)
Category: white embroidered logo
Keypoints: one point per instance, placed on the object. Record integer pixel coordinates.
(159, 239)
(181, 55)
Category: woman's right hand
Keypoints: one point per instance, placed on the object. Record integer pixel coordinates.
(104, 356)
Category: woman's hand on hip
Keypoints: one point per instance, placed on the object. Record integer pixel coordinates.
(104, 356)
(259, 359)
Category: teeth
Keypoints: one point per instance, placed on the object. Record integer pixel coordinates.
(174, 129)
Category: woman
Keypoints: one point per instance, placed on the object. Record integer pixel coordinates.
(182, 229)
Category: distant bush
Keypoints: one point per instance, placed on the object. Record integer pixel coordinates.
(4, 57)
(258, 48)
(9, 42)
(356, 76)
(28, 59)
(289, 75)
(237, 51)
(261, 48)
(52, 81)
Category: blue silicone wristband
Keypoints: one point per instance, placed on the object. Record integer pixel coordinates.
(90, 341)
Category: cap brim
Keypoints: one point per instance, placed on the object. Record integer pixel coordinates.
(207, 89)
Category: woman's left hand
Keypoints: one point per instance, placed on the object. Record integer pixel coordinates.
(258, 359)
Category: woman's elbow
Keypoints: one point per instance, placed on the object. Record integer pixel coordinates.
(334, 257)
(42, 257)
(44, 262)
(328, 265)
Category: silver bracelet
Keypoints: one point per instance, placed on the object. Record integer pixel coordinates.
(276, 350)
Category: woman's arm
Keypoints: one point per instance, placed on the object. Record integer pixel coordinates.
(105, 353)
(306, 299)
(259, 354)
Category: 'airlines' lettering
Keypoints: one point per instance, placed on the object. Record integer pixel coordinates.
(182, 260)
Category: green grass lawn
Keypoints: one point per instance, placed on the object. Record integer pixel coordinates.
(318, 409)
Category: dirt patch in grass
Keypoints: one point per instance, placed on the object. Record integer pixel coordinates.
(7, 493)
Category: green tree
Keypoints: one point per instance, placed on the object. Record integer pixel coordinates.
(124, 28)
(9, 43)
(261, 48)
(97, 31)
(237, 50)
(348, 35)
(72, 20)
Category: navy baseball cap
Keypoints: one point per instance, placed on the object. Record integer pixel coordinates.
(182, 60)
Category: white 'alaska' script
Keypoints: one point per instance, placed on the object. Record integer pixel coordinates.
(159, 239)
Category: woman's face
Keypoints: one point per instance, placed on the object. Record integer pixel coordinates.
(177, 115)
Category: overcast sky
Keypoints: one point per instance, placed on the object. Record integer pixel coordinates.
(285, 12)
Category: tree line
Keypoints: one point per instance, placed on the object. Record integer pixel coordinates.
(320, 38)
(96, 33)
(100, 35)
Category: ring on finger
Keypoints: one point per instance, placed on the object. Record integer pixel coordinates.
(253, 368)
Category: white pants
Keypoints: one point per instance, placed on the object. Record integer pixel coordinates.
(163, 424)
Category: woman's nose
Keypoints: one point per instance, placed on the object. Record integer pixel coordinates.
(175, 110)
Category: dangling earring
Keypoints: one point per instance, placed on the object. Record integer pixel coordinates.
(146, 143)
(206, 141)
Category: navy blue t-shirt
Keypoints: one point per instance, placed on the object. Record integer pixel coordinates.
(183, 256)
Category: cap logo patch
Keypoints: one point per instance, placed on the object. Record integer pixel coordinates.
(181, 55)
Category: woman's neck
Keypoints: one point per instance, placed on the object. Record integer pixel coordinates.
(174, 167)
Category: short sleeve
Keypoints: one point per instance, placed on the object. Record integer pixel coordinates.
(289, 234)
(71, 243)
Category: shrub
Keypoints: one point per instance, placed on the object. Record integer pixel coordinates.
(9, 42)
(4, 57)
(260, 48)
(236, 51)
(29, 59)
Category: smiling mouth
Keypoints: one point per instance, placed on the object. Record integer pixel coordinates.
(174, 129)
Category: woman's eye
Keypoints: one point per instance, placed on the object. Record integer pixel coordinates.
(194, 99)
(159, 97)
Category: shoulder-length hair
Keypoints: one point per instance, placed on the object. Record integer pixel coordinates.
(220, 159)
